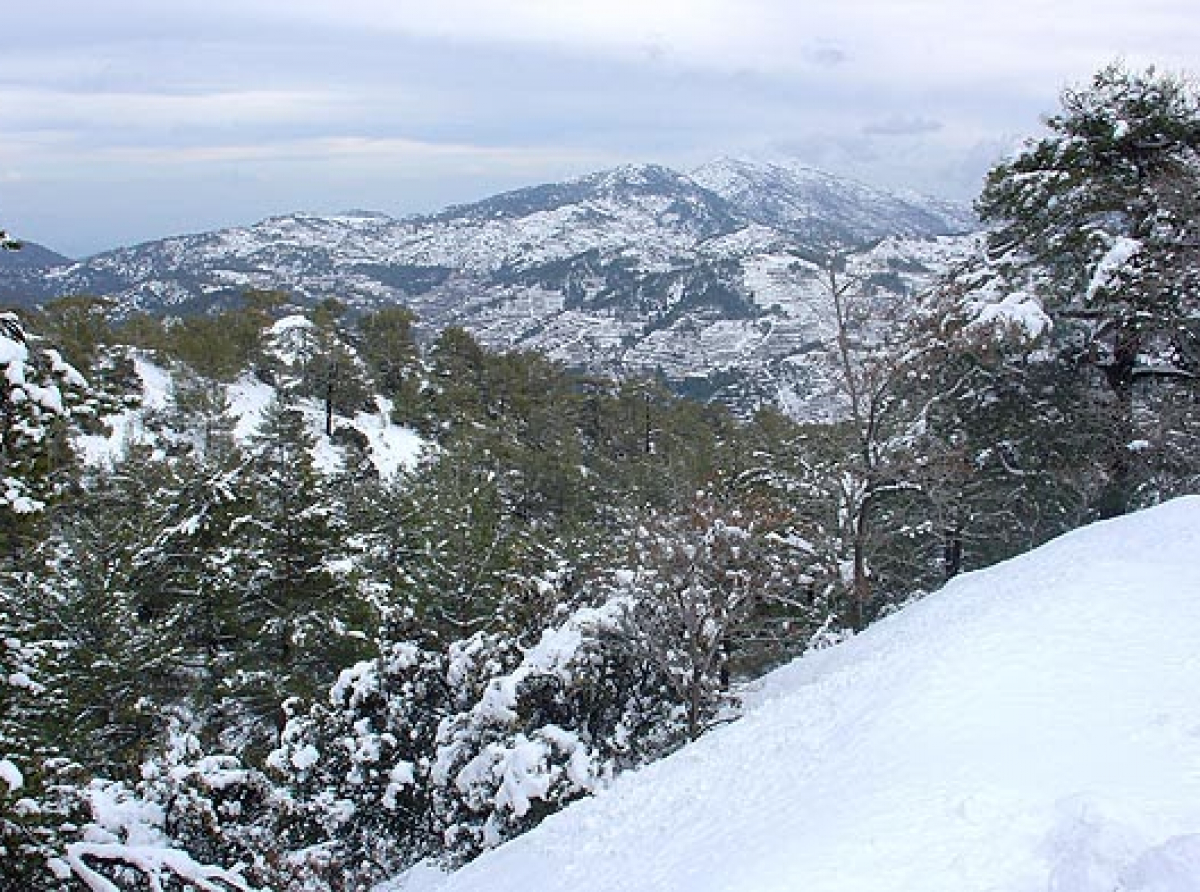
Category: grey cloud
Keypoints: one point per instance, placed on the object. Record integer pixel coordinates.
(826, 54)
(223, 92)
(898, 125)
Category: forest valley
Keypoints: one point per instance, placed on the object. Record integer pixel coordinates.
(226, 665)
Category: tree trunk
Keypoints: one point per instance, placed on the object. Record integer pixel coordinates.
(861, 586)
(952, 548)
(1117, 496)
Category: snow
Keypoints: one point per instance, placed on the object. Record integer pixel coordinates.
(1033, 726)
(306, 757)
(127, 428)
(156, 863)
(640, 229)
(1115, 259)
(248, 400)
(292, 339)
(11, 776)
(14, 359)
(1019, 312)
(126, 830)
(392, 447)
(156, 383)
(13, 354)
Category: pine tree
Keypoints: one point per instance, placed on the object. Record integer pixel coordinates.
(37, 391)
(1008, 442)
(300, 617)
(1095, 223)
(386, 343)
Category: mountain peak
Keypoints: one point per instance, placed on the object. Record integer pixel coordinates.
(636, 175)
(823, 207)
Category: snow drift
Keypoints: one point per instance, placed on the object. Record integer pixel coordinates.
(1033, 726)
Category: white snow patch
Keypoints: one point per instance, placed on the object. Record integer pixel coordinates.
(156, 383)
(1119, 253)
(1033, 726)
(1017, 313)
(392, 447)
(127, 428)
(11, 775)
(248, 400)
(425, 876)
(306, 757)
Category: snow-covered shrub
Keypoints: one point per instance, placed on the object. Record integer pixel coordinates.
(356, 764)
(219, 810)
(193, 820)
(422, 753)
(124, 844)
(704, 596)
(521, 747)
(34, 807)
(573, 710)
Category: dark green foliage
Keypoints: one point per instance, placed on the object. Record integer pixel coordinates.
(1098, 222)
(386, 344)
(295, 605)
(215, 346)
(77, 326)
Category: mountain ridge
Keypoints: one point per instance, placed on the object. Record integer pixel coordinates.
(634, 270)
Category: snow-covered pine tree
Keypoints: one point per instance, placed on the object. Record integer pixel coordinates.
(1007, 442)
(300, 619)
(356, 765)
(1095, 224)
(37, 391)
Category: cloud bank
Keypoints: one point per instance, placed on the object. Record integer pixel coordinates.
(132, 119)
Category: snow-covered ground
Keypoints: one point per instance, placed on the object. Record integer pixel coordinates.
(392, 446)
(1034, 727)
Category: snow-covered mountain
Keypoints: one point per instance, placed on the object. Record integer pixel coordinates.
(821, 208)
(712, 278)
(1033, 726)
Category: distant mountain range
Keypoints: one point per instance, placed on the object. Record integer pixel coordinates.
(712, 278)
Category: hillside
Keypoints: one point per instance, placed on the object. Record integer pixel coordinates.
(387, 446)
(31, 256)
(1031, 726)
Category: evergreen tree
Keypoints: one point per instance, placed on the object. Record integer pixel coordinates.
(190, 587)
(1008, 442)
(1095, 223)
(37, 391)
(387, 345)
(298, 606)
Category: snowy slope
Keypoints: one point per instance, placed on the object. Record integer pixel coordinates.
(1034, 726)
(820, 206)
(391, 447)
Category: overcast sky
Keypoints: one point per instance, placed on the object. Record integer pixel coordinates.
(127, 120)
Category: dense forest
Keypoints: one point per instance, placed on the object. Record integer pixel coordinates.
(226, 664)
